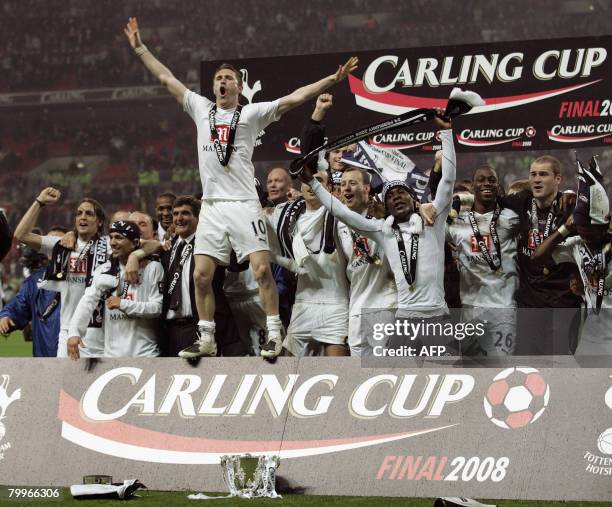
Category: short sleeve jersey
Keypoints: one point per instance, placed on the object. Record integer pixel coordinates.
(234, 182)
(480, 286)
(73, 288)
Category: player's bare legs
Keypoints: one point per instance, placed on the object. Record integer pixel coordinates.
(203, 274)
(260, 263)
(334, 350)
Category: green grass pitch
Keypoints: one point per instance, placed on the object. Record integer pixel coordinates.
(165, 499)
(14, 345)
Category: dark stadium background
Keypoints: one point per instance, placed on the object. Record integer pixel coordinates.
(125, 154)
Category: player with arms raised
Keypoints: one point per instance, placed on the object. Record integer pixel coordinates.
(231, 216)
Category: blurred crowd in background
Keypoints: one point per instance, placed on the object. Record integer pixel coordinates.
(125, 163)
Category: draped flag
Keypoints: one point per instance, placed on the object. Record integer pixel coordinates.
(387, 164)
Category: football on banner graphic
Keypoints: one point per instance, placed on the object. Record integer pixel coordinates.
(422, 432)
(539, 94)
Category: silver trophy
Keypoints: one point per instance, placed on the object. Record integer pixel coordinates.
(248, 476)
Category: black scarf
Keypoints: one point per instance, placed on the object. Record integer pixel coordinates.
(285, 229)
(596, 265)
(173, 277)
(407, 260)
(96, 253)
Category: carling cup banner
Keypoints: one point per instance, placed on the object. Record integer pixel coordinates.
(540, 94)
(516, 431)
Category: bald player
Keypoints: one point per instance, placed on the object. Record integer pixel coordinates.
(278, 185)
(145, 224)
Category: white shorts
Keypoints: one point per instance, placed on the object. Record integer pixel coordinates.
(596, 337)
(250, 319)
(360, 339)
(230, 225)
(500, 336)
(319, 322)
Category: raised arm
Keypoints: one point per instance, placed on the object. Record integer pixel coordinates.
(158, 69)
(369, 228)
(444, 193)
(23, 231)
(304, 93)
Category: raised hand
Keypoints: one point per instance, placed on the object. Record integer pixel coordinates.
(344, 70)
(306, 174)
(439, 120)
(132, 33)
(49, 195)
(428, 213)
(324, 101)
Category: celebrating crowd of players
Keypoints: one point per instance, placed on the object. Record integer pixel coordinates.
(224, 276)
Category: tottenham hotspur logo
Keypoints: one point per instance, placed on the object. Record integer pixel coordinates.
(5, 401)
(247, 91)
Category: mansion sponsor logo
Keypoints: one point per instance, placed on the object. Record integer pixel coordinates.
(483, 138)
(5, 401)
(580, 133)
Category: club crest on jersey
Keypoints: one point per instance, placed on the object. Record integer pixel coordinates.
(530, 240)
(78, 266)
(223, 133)
(486, 238)
(366, 247)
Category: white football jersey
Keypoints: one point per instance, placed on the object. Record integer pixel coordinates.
(480, 286)
(130, 330)
(598, 327)
(325, 280)
(425, 297)
(72, 289)
(235, 182)
(372, 284)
